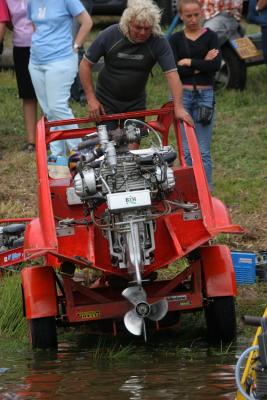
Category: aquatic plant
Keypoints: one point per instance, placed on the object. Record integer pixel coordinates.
(105, 350)
(12, 322)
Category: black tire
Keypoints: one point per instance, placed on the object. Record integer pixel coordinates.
(233, 71)
(43, 333)
(168, 8)
(221, 319)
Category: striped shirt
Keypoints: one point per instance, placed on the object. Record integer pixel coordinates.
(210, 8)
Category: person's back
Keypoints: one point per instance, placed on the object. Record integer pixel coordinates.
(257, 14)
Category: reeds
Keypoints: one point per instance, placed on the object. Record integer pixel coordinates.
(112, 351)
(12, 322)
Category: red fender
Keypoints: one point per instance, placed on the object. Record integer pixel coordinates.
(218, 272)
(39, 290)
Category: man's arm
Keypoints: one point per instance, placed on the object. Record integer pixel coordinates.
(261, 5)
(86, 76)
(177, 95)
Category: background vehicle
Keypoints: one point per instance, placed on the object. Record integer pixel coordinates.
(116, 7)
(104, 233)
(237, 54)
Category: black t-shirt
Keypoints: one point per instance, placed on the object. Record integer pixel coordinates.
(196, 50)
(122, 80)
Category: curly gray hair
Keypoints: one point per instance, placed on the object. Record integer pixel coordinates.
(141, 11)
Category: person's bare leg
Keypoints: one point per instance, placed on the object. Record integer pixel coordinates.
(30, 118)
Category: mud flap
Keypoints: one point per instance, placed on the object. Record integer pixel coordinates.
(39, 289)
(218, 271)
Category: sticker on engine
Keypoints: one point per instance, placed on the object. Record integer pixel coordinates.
(88, 314)
(182, 300)
(185, 303)
(126, 200)
(179, 298)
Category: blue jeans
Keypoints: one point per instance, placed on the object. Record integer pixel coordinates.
(192, 100)
(259, 18)
(52, 84)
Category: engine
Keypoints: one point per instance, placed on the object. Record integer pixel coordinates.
(11, 236)
(130, 182)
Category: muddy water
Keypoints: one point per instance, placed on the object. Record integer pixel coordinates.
(159, 370)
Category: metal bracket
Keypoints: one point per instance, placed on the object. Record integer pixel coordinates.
(65, 231)
(192, 215)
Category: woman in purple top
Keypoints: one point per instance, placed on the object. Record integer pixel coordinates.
(22, 34)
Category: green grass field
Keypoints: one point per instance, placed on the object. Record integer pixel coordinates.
(238, 151)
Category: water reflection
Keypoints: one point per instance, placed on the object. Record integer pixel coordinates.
(72, 373)
(133, 386)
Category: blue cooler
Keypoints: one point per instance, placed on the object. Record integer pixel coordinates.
(244, 267)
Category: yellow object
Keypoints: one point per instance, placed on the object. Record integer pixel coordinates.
(249, 370)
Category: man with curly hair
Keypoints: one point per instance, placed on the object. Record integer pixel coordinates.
(130, 50)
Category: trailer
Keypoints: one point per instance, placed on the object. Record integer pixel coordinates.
(113, 219)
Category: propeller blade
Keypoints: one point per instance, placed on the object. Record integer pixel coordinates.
(133, 323)
(134, 294)
(158, 310)
(144, 330)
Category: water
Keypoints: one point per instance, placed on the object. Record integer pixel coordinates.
(160, 370)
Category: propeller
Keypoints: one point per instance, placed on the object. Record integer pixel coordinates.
(134, 320)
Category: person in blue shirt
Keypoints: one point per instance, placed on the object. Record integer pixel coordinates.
(54, 58)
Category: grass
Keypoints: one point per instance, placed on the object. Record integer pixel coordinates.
(238, 150)
(12, 323)
(112, 351)
(240, 175)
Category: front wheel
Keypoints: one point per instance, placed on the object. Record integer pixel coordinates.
(233, 72)
(43, 333)
(221, 319)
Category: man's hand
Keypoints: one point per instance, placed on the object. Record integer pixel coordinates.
(181, 113)
(184, 62)
(95, 108)
(261, 5)
(211, 54)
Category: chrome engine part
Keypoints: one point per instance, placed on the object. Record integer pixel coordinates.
(128, 181)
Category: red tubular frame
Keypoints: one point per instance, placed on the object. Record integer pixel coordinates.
(175, 236)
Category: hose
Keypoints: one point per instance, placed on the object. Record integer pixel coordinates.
(238, 368)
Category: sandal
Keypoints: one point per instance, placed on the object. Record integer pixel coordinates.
(30, 147)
